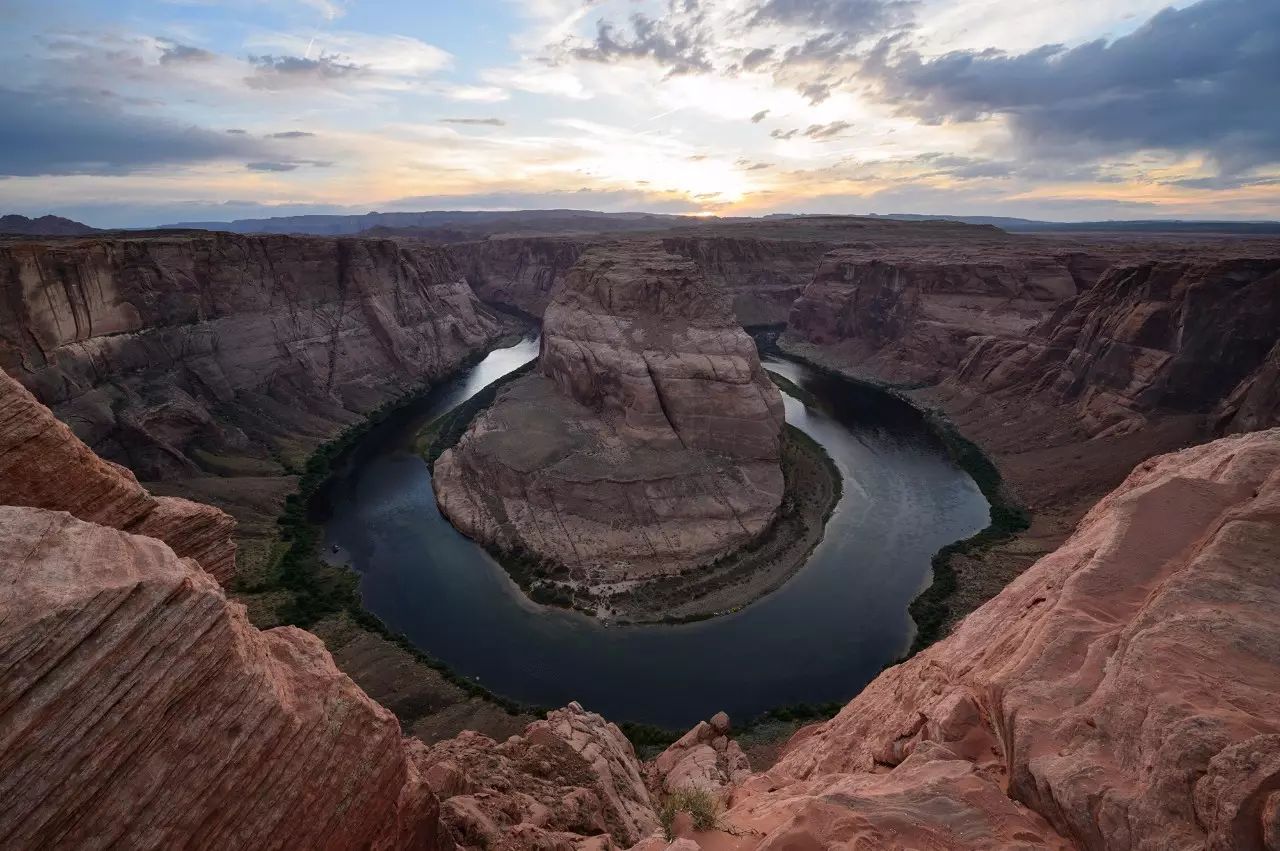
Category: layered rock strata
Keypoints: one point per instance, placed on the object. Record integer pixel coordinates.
(648, 442)
(44, 465)
(188, 354)
(139, 709)
(1119, 694)
(1149, 339)
(909, 314)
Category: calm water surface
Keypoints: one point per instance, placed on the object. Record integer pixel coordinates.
(821, 637)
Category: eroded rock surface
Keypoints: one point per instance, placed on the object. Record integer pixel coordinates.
(188, 354)
(909, 313)
(1119, 694)
(705, 759)
(1149, 339)
(648, 443)
(140, 709)
(568, 778)
(44, 465)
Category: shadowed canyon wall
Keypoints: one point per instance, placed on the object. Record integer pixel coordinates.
(186, 354)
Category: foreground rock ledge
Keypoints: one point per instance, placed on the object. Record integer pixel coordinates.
(648, 443)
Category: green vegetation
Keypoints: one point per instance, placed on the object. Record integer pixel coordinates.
(447, 429)
(931, 610)
(786, 385)
(702, 806)
(314, 590)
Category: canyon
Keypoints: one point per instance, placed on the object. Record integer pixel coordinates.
(1110, 673)
(648, 441)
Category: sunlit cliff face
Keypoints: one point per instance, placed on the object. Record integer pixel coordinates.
(155, 110)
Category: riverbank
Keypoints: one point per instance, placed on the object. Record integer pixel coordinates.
(295, 586)
(1038, 470)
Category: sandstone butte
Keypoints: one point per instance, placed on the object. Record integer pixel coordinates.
(648, 442)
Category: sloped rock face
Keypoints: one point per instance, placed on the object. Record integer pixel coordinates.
(909, 315)
(44, 465)
(761, 276)
(1119, 694)
(1152, 338)
(517, 272)
(186, 354)
(570, 777)
(139, 709)
(648, 444)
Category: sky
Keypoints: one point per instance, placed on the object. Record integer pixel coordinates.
(143, 112)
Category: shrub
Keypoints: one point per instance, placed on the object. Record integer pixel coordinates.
(702, 806)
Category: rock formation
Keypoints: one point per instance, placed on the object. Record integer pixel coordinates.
(181, 355)
(569, 777)
(517, 272)
(139, 709)
(1119, 694)
(705, 758)
(43, 226)
(648, 443)
(44, 465)
(1157, 337)
(908, 314)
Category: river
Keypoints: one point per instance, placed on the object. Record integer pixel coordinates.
(820, 637)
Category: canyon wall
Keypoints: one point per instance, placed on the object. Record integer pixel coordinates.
(762, 276)
(1150, 338)
(186, 354)
(44, 465)
(907, 314)
(649, 442)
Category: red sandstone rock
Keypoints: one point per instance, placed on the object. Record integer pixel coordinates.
(44, 465)
(705, 758)
(139, 709)
(1120, 694)
(570, 777)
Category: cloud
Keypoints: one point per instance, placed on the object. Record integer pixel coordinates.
(755, 58)
(1200, 79)
(172, 53)
(671, 42)
(275, 73)
(66, 132)
(286, 165)
(819, 132)
(292, 134)
(480, 122)
(759, 116)
(853, 17)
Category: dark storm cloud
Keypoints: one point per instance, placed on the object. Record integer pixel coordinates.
(293, 134)
(475, 122)
(1203, 78)
(58, 132)
(274, 73)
